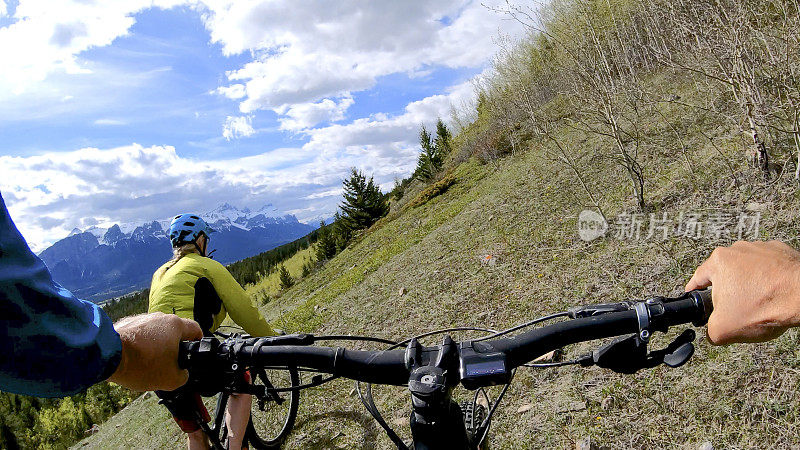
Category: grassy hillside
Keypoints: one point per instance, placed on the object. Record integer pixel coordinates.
(522, 210)
(269, 287)
(501, 246)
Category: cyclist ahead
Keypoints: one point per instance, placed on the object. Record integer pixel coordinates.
(193, 286)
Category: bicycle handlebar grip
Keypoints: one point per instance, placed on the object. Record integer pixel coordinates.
(184, 351)
(703, 300)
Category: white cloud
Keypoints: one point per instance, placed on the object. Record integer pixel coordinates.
(3, 8)
(382, 131)
(238, 127)
(50, 194)
(307, 59)
(46, 37)
(106, 122)
(306, 115)
(311, 52)
(233, 92)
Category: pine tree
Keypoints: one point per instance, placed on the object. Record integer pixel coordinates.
(363, 204)
(285, 278)
(326, 243)
(429, 161)
(443, 137)
(341, 232)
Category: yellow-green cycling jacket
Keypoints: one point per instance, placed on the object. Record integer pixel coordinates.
(203, 290)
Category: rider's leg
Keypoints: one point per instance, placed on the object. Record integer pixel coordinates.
(236, 417)
(197, 440)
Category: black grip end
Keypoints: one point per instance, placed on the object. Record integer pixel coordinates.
(185, 353)
(704, 304)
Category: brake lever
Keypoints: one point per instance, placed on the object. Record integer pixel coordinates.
(628, 354)
(678, 352)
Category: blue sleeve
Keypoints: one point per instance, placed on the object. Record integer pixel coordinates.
(51, 343)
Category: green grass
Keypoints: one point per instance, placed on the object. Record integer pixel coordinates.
(270, 285)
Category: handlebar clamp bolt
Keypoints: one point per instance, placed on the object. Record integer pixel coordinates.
(644, 335)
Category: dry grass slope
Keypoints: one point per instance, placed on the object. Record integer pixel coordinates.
(522, 210)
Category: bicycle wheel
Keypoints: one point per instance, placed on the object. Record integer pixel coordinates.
(473, 417)
(272, 416)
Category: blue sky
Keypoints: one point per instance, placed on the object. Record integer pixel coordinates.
(116, 112)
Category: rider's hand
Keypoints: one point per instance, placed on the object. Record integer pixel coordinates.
(756, 292)
(150, 351)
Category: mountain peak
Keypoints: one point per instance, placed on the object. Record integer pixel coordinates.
(113, 235)
(269, 207)
(224, 207)
(148, 231)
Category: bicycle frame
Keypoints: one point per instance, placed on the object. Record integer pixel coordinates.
(213, 432)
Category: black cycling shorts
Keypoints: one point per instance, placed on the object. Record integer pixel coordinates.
(185, 403)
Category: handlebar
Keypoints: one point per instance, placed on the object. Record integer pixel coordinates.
(693, 307)
(486, 358)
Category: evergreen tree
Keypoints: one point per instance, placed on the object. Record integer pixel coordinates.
(431, 159)
(363, 204)
(341, 232)
(443, 137)
(285, 278)
(7, 438)
(326, 243)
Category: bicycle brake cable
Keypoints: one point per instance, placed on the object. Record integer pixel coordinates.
(368, 401)
(487, 421)
(556, 364)
(369, 405)
(521, 326)
(348, 337)
(314, 383)
(435, 332)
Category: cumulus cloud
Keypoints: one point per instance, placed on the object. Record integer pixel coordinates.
(323, 194)
(48, 36)
(305, 54)
(238, 127)
(49, 195)
(307, 61)
(381, 132)
(3, 8)
(233, 92)
(305, 115)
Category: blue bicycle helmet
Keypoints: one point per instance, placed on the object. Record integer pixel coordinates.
(186, 228)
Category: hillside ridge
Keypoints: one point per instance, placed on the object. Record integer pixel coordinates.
(639, 112)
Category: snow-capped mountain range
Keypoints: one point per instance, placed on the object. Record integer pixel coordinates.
(102, 262)
(221, 218)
